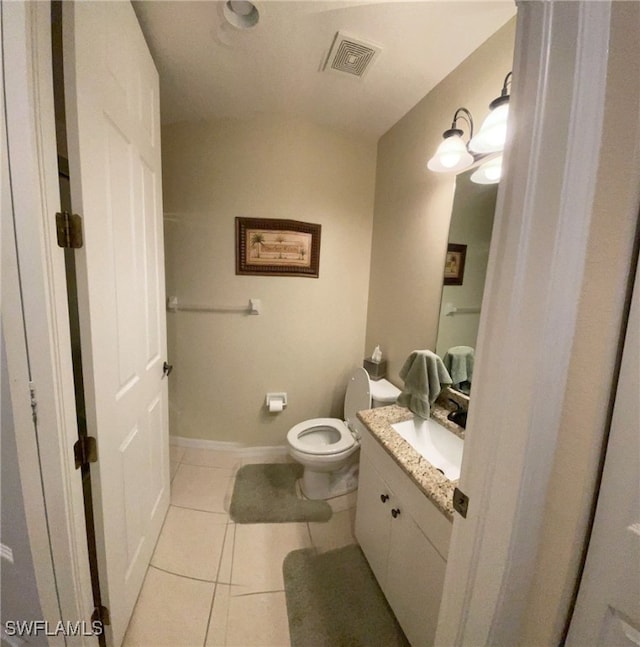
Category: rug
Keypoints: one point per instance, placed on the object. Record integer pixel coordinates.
(334, 600)
(266, 493)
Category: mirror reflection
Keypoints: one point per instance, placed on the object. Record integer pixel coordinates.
(464, 277)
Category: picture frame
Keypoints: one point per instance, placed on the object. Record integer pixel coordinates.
(277, 247)
(454, 264)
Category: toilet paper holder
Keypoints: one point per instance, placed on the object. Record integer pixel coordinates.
(276, 402)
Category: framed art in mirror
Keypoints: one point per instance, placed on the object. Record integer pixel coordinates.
(454, 264)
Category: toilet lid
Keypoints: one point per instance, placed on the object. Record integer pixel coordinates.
(358, 396)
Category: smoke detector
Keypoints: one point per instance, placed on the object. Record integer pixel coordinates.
(350, 56)
(241, 14)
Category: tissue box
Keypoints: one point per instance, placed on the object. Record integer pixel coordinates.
(376, 370)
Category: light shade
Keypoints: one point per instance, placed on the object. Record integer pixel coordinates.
(451, 156)
(488, 173)
(493, 132)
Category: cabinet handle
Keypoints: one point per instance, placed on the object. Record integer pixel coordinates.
(384, 498)
(395, 512)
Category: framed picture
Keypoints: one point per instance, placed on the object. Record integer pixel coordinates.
(454, 264)
(276, 247)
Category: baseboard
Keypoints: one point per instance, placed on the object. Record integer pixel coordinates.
(201, 443)
(274, 452)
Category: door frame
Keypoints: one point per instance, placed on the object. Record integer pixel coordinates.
(609, 574)
(36, 325)
(565, 203)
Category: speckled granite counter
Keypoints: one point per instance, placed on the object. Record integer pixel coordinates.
(437, 487)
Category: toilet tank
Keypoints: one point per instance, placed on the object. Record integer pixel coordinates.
(383, 393)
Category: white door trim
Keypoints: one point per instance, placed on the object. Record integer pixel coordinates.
(606, 609)
(51, 485)
(544, 219)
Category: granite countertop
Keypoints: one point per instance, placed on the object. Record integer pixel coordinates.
(435, 485)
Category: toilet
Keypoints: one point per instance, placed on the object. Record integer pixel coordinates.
(328, 447)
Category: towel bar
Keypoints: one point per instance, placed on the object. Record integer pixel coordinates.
(253, 307)
(450, 310)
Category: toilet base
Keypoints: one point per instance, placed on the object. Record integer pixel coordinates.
(327, 485)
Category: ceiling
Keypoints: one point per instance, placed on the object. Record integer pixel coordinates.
(209, 69)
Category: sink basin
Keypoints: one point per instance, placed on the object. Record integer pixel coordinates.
(433, 442)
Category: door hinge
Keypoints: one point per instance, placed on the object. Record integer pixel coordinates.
(69, 230)
(85, 451)
(101, 614)
(460, 502)
(34, 402)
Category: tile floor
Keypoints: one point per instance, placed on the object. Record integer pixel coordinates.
(215, 583)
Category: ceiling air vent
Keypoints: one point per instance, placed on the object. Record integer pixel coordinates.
(350, 56)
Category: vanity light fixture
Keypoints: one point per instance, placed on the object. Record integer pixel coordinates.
(489, 172)
(452, 155)
(493, 132)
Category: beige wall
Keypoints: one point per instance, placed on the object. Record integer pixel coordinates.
(413, 206)
(311, 333)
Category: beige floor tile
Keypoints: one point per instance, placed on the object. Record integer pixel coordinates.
(190, 543)
(173, 468)
(211, 458)
(335, 533)
(171, 610)
(217, 631)
(268, 627)
(176, 453)
(253, 460)
(201, 488)
(259, 552)
(345, 502)
(224, 574)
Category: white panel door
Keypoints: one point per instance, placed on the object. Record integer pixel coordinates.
(112, 104)
(607, 611)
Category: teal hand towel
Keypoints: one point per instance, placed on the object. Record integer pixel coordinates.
(424, 376)
(458, 360)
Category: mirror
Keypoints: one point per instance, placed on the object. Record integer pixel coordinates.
(465, 271)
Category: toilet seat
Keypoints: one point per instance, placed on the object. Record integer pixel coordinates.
(312, 437)
(314, 426)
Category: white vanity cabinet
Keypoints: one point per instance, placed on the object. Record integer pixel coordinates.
(405, 539)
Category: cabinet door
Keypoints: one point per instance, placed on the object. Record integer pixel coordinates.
(373, 517)
(415, 578)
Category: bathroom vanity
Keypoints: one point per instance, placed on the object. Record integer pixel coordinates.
(403, 522)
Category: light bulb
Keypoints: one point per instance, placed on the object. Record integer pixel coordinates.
(451, 156)
(493, 132)
(488, 173)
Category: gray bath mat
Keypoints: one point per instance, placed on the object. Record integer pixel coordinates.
(266, 493)
(333, 600)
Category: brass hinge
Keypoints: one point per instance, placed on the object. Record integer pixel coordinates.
(101, 614)
(85, 451)
(69, 230)
(460, 502)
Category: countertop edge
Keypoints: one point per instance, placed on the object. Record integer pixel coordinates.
(437, 488)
